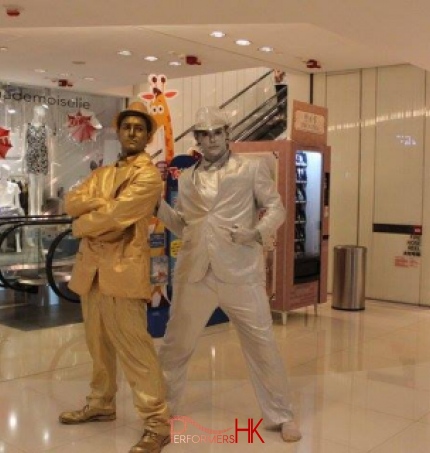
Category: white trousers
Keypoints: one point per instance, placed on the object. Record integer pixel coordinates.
(248, 309)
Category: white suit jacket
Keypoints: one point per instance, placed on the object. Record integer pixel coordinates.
(245, 189)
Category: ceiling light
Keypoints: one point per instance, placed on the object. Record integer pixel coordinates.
(41, 71)
(217, 34)
(89, 79)
(3, 49)
(175, 63)
(45, 106)
(150, 58)
(11, 111)
(265, 49)
(125, 53)
(243, 42)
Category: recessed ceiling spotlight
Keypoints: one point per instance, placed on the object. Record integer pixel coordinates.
(265, 49)
(65, 74)
(89, 79)
(175, 63)
(125, 53)
(217, 34)
(150, 58)
(243, 42)
(3, 49)
(40, 71)
(11, 111)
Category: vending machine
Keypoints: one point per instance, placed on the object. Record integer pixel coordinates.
(296, 262)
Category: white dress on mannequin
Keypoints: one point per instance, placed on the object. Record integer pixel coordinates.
(36, 159)
(9, 199)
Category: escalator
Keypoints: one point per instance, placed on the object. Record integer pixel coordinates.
(263, 123)
(257, 112)
(44, 255)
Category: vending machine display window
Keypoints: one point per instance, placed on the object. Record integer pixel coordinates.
(307, 230)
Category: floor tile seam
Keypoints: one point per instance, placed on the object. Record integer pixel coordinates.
(421, 420)
(44, 372)
(9, 444)
(84, 438)
(396, 362)
(398, 433)
(380, 411)
(228, 411)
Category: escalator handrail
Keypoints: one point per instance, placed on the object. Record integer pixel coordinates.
(254, 126)
(14, 226)
(256, 110)
(22, 218)
(49, 272)
(5, 283)
(229, 101)
(238, 94)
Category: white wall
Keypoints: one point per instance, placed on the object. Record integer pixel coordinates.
(380, 170)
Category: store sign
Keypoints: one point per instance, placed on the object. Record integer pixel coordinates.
(309, 126)
(309, 122)
(20, 95)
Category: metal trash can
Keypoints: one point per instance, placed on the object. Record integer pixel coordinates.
(349, 275)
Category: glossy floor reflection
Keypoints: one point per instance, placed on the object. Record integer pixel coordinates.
(360, 383)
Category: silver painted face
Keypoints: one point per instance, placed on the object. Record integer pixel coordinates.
(213, 144)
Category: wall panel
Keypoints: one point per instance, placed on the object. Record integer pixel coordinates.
(344, 139)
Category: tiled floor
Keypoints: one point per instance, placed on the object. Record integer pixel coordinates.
(360, 382)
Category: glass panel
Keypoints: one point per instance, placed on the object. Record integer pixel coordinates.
(307, 238)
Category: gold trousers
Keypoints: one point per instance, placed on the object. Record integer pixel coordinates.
(118, 327)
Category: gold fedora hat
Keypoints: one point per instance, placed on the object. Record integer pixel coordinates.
(137, 108)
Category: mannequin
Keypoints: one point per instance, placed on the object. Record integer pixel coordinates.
(9, 199)
(36, 159)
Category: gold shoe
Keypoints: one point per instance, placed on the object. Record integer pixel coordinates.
(87, 414)
(290, 432)
(150, 442)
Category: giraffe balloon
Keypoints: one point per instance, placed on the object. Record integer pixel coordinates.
(159, 108)
(162, 152)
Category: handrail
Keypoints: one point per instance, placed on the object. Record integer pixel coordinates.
(254, 126)
(49, 272)
(257, 123)
(5, 233)
(260, 107)
(229, 101)
(3, 280)
(27, 217)
(238, 94)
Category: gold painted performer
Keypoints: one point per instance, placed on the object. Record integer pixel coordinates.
(112, 209)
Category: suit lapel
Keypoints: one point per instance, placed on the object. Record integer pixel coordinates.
(191, 183)
(122, 174)
(231, 169)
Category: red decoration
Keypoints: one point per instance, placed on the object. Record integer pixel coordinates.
(83, 126)
(5, 144)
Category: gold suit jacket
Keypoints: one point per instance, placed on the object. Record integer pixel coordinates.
(112, 209)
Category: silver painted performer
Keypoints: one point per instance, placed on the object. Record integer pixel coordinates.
(221, 264)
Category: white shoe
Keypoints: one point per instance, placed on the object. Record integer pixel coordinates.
(290, 431)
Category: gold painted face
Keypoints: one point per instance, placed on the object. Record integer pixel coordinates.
(133, 135)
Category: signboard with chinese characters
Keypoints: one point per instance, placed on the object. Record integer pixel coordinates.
(309, 125)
